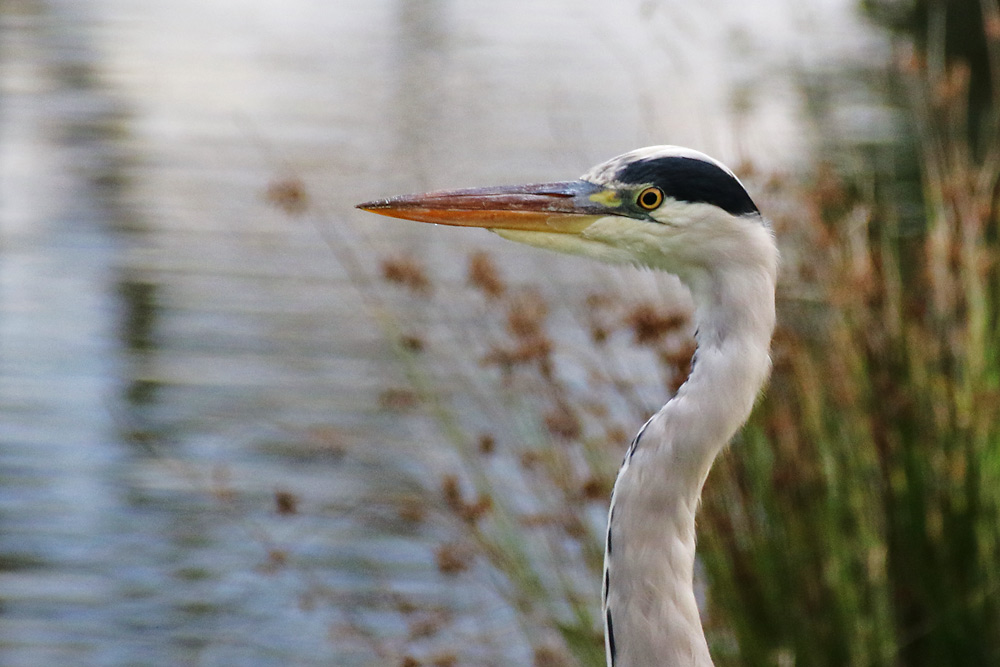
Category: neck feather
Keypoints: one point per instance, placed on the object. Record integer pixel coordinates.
(649, 592)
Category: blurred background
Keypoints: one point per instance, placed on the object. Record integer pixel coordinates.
(243, 423)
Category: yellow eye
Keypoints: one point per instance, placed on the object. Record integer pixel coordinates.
(650, 198)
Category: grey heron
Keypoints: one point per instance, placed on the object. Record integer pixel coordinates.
(676, 210)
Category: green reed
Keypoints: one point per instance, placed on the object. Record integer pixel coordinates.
(857, 520)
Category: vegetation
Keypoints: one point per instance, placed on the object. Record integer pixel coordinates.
(856, 520)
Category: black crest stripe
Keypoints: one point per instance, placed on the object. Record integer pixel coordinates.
(691, 180)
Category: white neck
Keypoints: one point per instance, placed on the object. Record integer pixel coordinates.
(650, 561)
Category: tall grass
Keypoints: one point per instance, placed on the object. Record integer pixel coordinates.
(857, 521)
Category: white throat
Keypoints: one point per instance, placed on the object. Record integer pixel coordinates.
(650, 607)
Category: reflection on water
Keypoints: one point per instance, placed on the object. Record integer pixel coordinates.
(176, 353)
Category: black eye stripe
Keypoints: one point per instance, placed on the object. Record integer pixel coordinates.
(690, 180)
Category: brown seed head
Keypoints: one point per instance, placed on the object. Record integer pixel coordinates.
(472, 512)
(408, 272)
(288, 194)
(526, 315)
(484, 275)
(487, 443)
(398, 400)
(453, 558)
(285, 502)
(649, 324)
(563, 423)
(451, 489)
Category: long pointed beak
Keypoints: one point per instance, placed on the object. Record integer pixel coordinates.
(566, 207)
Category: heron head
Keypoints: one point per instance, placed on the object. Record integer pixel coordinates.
(663, 207)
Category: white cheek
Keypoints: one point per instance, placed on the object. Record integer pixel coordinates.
(623, 232)
(645, 241)
(614, 228)
(674, 213)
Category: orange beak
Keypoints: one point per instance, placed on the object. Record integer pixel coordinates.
(568, 207)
